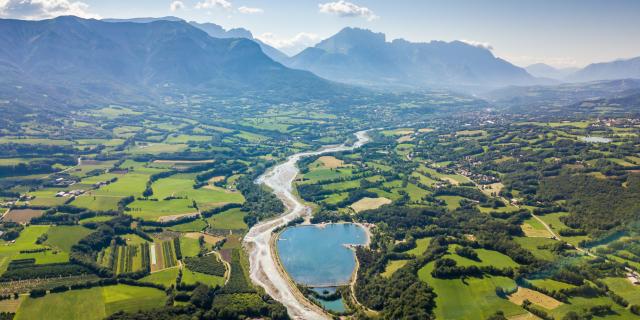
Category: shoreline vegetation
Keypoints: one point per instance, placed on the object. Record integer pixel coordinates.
(280, 179)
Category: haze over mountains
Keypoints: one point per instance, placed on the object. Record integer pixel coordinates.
(216, 31)
(619, 69)
(70, 56)
(363, 57)
(75, 60)
(542, 70)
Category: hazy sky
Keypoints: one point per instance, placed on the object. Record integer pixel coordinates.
(557, 32)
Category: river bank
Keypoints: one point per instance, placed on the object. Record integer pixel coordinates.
(265, 270)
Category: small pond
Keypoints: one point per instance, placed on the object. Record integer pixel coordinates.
(336, 305)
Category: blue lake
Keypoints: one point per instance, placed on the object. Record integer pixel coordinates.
(317, 256)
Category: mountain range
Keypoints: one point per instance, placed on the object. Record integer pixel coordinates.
(362, 57)
(72, 58)
(619, 69)
(542, 70)
(216, 31)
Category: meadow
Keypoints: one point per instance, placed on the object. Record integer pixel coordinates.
(95, 303)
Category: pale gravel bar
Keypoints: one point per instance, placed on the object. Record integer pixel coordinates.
(264, 268)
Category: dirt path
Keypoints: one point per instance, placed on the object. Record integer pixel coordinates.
(264, 267)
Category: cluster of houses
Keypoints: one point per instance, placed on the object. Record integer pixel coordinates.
(629, 122)
(72, 193)
(63, 182)
(7, 204)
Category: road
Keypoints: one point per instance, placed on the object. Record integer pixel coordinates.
(264, 267)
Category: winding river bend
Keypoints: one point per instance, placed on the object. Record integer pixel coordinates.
(264, 268)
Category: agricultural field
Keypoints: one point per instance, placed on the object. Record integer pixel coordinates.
(475, 186)
(453, 296)
(94, 303)
(232, 219)
(448, 199)
(27, 243)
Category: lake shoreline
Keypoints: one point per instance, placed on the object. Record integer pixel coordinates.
(264, 270)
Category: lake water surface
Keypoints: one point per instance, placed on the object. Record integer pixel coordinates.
(317, 256)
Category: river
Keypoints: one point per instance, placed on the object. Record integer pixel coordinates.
(265, 270)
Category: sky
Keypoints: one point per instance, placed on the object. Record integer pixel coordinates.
(562, 33)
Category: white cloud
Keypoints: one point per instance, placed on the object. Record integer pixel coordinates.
(43, 9)
(176, 6)
(249, 10)
(479, 44)
(212, 4)
(291, 45)
(347, 9)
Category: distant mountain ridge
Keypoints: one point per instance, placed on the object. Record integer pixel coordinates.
(74, 59)
(215, 31)
(542, 70)
(619, 69)
(360, 56)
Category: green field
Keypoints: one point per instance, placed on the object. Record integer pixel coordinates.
(97, 203)
(551, 284)
(193, 226)
(486, 257)
(27, 241)
(50, 142)
(421, 246)
(393, 266)
(231, 219)
(624, 288)
(153, 210)
(532, 245)
(95, 303)
(184, 138)
(181, 185)
(327, 174)
(64, 237)
(578, 304)
(553, 220)
(166, 277)
(453, 202)
(189, 247)
(472, 298)
(190, 277)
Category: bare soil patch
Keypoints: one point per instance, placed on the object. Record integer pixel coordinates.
(535, 297)
(159, 265)
(426, 130)
(369, 203)
(216, 179)
(406, 138)
(176, 217)
(22, 215)
(211, 239)
(491, 190)
(11, 305)
(331, 162)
